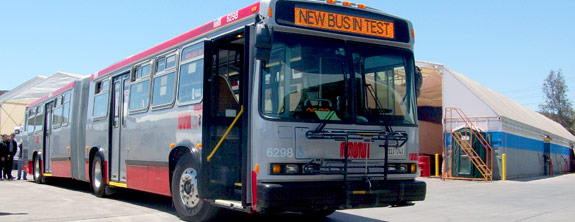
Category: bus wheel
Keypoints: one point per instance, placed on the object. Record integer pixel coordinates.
(98, 183)
(318, 213)
(185, 193)
(38, 178)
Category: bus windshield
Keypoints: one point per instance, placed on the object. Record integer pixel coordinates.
(384, 89)
(308, 79)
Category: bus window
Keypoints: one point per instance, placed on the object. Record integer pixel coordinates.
(31, 118)
(190, 84)
(382, 84)
(101, 99)
(161, 65)
(164, 86)
(142, 71)
(139, 96)
(165, 62)
(66, 109)
(190, 87)
(171, 61)
(39, 121)
(305, 79)
(57, 117)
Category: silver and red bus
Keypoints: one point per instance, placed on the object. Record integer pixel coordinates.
(306, 106)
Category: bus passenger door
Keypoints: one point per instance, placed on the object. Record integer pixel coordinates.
(118, 123)
(224, 118)
(47, 150)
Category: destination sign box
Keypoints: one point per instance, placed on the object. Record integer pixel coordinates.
(343, 20)
(343, 23)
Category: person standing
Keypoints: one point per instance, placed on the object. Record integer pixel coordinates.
(12, 149)
(3, 156)
(20, 161)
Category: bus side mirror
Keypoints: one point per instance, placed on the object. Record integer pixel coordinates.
(418, 80)
(263, 41)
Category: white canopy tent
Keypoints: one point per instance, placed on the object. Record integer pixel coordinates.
(13, 103)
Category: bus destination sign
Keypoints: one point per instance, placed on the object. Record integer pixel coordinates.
(343, 23)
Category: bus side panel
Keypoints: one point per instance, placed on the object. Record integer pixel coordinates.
(78, 116)
(151, 178)
(61, 168)
(60, 141)
(96, 129)
(147, 138)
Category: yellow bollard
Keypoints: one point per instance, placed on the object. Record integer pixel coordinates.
(437, 165)
(504, 163)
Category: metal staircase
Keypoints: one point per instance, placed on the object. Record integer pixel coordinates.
(456, 117)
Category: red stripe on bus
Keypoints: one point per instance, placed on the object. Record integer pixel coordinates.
(87, 170)
(105, 174)
(63, 89)
(62, 168)
(38, 101)
(222, 21)
(152, 179)
(58, 91)
(254, 190)
(30, 167)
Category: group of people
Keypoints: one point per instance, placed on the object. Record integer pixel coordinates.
(8, 149)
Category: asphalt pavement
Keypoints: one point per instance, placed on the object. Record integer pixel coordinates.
(533, 199)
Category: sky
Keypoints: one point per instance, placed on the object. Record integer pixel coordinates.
(509, 46)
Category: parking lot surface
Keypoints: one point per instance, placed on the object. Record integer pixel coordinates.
(534, 199)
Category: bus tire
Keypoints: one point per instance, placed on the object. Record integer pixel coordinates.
(317, 214)
(185, 193)
(37, 174)
(97, 181)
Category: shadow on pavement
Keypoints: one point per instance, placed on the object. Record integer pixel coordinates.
(164, 204)
(9, 214)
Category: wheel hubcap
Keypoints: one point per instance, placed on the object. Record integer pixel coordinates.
(189, 188)
(97, 174)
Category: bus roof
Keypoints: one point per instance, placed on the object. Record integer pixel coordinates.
(212, 25)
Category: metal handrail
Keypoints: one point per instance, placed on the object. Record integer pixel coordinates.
(488, 164)
(226, 134)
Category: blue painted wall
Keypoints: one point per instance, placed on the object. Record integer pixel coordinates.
(508, 140)
(524, 155)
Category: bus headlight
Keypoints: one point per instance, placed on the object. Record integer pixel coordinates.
(292, 169)
(286, 169)
(402, 168)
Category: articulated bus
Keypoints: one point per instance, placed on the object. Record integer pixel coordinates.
(305, 106)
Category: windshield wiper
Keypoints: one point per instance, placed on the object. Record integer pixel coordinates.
(341, 54)
(381, 112)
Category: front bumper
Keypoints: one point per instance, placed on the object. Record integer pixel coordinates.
(279, 197)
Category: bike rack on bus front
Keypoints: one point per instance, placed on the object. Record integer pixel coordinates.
(321, 166)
